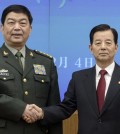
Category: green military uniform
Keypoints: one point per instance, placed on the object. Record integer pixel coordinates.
(37, 84)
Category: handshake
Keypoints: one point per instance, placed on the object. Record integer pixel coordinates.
(32, 113)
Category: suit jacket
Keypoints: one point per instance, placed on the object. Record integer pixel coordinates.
(37, 84)
(81, 95)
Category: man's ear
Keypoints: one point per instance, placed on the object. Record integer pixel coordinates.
(1, 28)
(30, 29)
(90, 47)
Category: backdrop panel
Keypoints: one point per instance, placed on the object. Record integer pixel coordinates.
(61, 28)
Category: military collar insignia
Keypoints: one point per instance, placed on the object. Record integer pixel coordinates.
(5, 53)
(39, 69)
(31, 54)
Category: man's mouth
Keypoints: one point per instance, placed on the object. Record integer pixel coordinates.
(16, 35)
(103, 54)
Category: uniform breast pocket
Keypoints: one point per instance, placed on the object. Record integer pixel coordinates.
(6, 78)
(42, 85)
(7, 85)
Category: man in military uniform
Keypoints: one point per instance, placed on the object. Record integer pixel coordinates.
(28, 78)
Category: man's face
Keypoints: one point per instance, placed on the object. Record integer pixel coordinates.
(16, 29)
(103, 47)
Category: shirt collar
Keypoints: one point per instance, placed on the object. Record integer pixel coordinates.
(109, 69)
(14, 51)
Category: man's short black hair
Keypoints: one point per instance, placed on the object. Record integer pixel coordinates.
(103, 27)
(16, 9)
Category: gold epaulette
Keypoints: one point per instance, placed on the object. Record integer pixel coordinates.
(44, 54)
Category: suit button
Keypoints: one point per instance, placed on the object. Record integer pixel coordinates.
(99, 120)
(24, 80)
(26, 92)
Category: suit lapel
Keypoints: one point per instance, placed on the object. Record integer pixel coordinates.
(10, 59)
(114, 87)
(90, 87)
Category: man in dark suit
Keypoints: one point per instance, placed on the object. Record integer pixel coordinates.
(98, 111)
(28, 78)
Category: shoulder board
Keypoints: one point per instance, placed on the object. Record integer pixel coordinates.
(44, 54)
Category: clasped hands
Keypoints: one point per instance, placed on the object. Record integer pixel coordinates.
(32, 113)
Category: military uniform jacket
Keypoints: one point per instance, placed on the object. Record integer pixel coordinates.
(81, 95)
(37, 84)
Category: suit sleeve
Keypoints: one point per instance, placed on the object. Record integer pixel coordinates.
(11, 108)
(54, 99)
(63, 110)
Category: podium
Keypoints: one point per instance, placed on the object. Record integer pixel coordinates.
(70, 125)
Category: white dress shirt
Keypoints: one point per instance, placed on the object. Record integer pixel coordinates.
(108, 76)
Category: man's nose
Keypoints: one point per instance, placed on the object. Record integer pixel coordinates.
(103, 45)
(17, 26)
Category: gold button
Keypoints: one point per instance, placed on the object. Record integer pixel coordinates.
(24, 80)
(43, 81)
(4, 78)
(26, 92)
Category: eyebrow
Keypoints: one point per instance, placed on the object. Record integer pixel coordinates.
(105, 40)
(15, 19)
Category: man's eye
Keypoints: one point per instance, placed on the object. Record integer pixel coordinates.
(108, 43)
(23, 23)
(11, 23)
(97, 43)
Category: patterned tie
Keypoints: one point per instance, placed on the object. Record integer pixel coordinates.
(101, 90)
(19, 55)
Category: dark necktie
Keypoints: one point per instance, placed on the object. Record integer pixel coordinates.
(101, 90)
(19, 55)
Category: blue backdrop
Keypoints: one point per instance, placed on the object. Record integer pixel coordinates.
(61, 28)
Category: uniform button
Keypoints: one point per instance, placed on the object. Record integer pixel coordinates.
(43, 81)
(4, 78)
(24, 80)
(26, 92)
